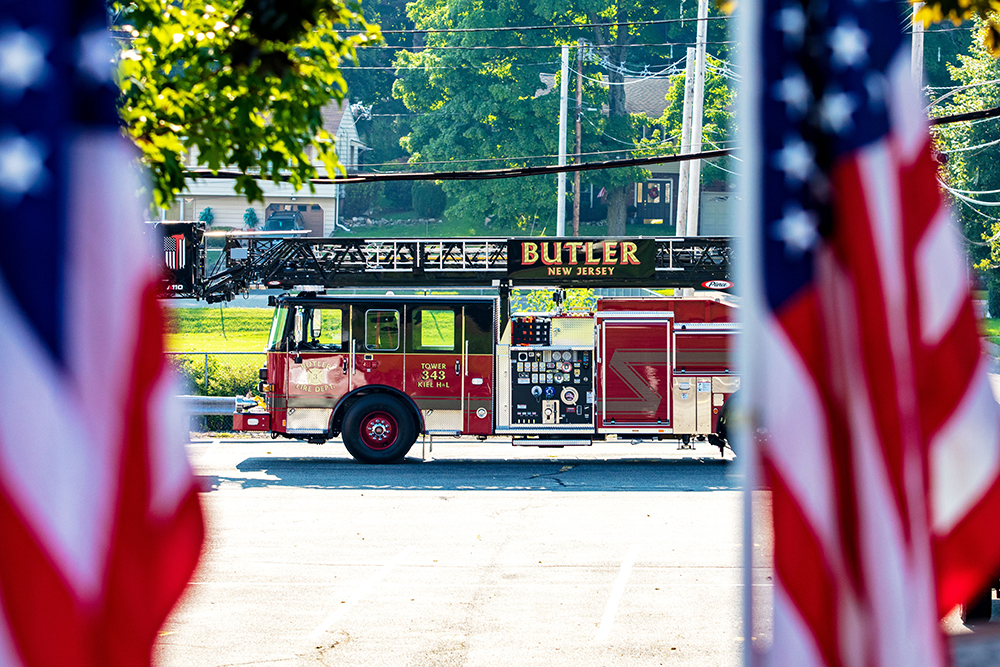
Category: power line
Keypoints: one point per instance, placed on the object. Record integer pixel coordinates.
(487, 174)
(634, 149)
(524, 28)
(972, 115)
(418, 49)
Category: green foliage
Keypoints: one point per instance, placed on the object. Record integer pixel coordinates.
(718, 125)
(428, 199)
(250, 219)
(227, 375)
(542, 301)
(991, 329)
(485, 108)
(218, 329)
(360, 198)
(240, 82)
(211, 320)
(398, 195)
(206, 215)
(984, 11)
(993, 295)
(971, 170)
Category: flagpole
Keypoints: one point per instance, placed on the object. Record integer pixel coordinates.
(749, 278)
(917, 48)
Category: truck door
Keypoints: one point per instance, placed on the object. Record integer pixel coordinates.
(477, 371)
(435, 365)
(377, 346)
(317, 366)
(634, 372)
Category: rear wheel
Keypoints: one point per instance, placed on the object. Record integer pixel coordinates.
(378, 429)
(721, 438)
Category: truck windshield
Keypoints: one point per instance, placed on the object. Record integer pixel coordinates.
(277, 327)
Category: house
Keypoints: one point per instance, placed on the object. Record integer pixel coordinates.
(656, 200)
(319, 211)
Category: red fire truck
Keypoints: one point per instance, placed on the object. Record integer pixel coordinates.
(381, 370)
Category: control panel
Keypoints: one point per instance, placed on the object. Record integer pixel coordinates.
(531, 331)
(552, 386)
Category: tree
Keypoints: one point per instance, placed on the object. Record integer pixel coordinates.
(381, 120)
(206, 215)
(240, 83)
(619, 25)
(478, 108)
(718, 127)
(250, 219)
(970, 170)
(360, 198)
(956, 11)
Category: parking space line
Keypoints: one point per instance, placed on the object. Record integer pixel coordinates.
(616, 594)
(360, 593)
(208, 452)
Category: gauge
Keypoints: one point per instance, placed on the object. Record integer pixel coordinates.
(556, 355)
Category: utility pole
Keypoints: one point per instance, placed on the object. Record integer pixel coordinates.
(683, 182)
(694, 183)
(579, 137)
(563, 104)
(917, 48)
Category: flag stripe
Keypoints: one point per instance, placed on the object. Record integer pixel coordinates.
(883, 438)
(802, 567)
(100, 522)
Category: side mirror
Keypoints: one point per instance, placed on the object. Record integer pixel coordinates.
(317, 324)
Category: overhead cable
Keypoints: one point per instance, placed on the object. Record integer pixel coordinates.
(523, 28)
(487, 174)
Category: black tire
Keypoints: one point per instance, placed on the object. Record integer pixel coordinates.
(721, 438)
(979, 609)
(378, 429)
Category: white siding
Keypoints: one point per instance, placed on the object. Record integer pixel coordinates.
(716, 214)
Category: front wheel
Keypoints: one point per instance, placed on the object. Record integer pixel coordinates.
(378, 429)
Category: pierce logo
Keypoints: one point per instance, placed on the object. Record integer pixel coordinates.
(717, 284)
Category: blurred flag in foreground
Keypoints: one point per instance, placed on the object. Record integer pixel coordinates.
(100, 526)
(884, 438)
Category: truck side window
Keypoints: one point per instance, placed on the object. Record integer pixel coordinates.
(332, 337)
(327, 322)
(275, 340)
(382, 330)
(433, 329)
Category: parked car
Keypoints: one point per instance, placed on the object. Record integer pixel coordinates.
(284, 221)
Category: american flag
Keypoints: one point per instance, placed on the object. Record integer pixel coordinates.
(100, 526)
(174, 248)
(883, 447)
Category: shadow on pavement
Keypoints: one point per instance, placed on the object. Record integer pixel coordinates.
(697, 474)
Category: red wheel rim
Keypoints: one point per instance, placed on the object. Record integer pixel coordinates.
(379, 430)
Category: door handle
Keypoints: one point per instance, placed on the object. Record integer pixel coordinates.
(458, 368)
(345, 365)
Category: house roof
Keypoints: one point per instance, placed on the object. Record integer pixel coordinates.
(333, 115)
(646, 95)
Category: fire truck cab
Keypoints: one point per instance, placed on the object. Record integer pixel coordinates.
(381, 370)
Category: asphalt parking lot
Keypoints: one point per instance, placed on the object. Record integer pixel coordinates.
(482, 554)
